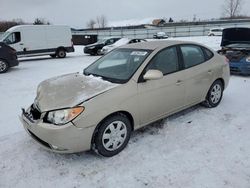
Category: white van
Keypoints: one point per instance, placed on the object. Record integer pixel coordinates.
(36, 40)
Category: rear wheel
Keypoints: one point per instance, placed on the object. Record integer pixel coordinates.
(61, 53)
(4, 66)
(113, 135)
(214, 94)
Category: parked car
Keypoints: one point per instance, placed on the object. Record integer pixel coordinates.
(8, 57)
(36, 40)
(95, 49)
(128, 88)
(122, 41)
(160, 35)
(215, 32)
(235, 45)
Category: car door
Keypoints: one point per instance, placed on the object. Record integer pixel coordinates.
(158, 98)
(198, 72)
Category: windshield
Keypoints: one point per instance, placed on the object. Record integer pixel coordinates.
(4, 35)
(119, 65)
(101, 41)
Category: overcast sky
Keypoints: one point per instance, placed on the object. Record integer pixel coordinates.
(76, 13)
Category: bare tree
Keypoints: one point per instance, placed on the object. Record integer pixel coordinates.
(101, 21)
(91, 24)
(232, 8)
(41, 21)
(5, 25)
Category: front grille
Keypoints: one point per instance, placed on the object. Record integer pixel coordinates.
(36, 114)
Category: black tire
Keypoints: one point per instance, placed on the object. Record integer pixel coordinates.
(4, 66)
(214, 95)
(98, 52)
(118, 139)
(61, 53)
(53, 55)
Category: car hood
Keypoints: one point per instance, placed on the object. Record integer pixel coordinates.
(235, 36)
(69, 90)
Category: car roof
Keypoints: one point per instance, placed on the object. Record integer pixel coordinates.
(152, 45)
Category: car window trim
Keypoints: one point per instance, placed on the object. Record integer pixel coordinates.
(190, 44)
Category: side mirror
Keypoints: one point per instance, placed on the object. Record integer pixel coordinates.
(6, 41)
(153, 74)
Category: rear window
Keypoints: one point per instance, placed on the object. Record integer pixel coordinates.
(208, 53)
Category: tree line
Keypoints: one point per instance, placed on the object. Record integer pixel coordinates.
(231, 9)
(5, 25)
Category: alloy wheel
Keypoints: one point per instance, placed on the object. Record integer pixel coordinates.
(216, 93)
(3, 66)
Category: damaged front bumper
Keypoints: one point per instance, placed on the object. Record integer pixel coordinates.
(61, 139)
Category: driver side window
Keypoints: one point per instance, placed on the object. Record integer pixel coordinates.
(13, 38)
(110, 41)
(165, 61)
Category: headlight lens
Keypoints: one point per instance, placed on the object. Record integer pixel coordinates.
(61, 117)
(38, 91)
(248, 59)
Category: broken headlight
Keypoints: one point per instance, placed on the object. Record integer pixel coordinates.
(61, 117)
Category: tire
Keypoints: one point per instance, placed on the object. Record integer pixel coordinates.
(113, 135)
(4, 66)
(98, 52)
(214, 95)
(61, 53)
(53, 55)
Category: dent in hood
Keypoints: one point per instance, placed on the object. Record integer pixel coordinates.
(69, 90)
(235, 36)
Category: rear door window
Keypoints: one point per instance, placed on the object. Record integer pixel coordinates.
(192, 55)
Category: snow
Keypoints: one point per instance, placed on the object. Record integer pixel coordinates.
(69, 90)
(131, 22)
(195, 148)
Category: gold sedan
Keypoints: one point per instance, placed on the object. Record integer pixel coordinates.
(122, 91)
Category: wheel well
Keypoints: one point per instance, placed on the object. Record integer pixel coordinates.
(4, 60)
(124, 113)
(222, 81)
(61, 48)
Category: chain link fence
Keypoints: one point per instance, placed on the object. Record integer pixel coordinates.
(171, 31)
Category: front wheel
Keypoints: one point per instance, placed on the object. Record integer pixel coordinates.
(61, 53)
(4, 66)
(113, 135)
(214, 94)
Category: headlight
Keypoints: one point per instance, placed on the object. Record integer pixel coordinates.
(61, 117)
(38, 91)
(248, 59)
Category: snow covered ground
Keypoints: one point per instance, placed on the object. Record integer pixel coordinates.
(196, 148)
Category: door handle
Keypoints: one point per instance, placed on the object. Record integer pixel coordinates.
(179, 82)
(21, 44)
